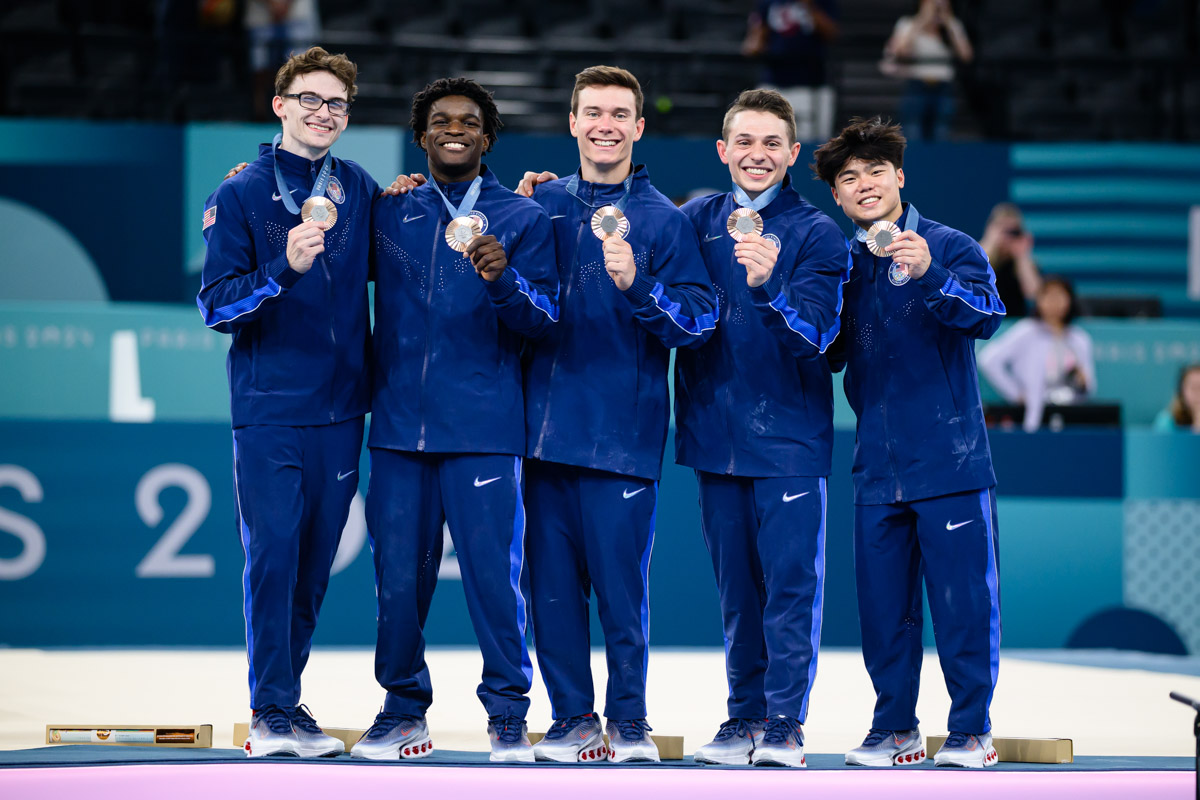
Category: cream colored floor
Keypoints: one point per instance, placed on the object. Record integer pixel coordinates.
(1106, 712)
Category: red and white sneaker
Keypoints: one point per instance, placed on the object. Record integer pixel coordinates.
(972, 750)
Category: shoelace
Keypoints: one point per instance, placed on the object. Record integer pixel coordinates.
(276, 719)
(957, 740)
(385, 721)
(875, 736)
(562, 727)
(508, 727)
(733, 727)
(303, 719)
(778, 729)
(632, 730)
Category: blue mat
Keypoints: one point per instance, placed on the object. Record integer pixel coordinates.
(89, 755)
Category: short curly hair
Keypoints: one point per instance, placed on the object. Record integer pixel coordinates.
(451, 87)
(317, 59)
(871, 140)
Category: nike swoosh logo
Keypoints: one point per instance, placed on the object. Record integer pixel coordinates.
(343, 475)
(787, 498)
(558, 216)
(278, 196)
(712, 238)
(410, 219)
(628, 494)
(479, 483)
(950, 527)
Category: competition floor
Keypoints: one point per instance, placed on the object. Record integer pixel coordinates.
(1131, 741)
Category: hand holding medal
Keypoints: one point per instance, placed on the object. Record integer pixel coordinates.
(487, 256)
(909, 251)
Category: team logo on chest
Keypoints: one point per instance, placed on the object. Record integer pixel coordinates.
(898, 274)
(335, 191)
(483, 221)
(773, 239)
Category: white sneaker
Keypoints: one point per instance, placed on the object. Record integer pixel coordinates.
(628, 741)
(573, 739)
(884, 748)
(782, 744)
(733, 744)
(509, 738)
(970, 750)
(271, 734)
(314, 742)
(394, 736)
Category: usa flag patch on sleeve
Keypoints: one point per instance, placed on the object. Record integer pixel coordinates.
(210, 216)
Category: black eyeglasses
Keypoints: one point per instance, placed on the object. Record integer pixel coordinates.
(338, 108)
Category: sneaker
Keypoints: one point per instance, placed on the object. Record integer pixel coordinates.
(887, 748)
(394, 736)
(627, 741)
(967, 750)
(271, 734)
(510, 742)
(572, 739)
(733, 744)
(782, 744)
(314, 742)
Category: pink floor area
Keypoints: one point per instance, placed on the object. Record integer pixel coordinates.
(230, 781)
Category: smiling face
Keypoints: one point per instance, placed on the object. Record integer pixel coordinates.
(869, 192)
(757, 151)
(606, 125)
(311, 133)
(454, 139)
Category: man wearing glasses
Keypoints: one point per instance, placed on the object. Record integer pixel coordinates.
(286, 275)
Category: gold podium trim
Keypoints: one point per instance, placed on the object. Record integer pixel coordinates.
(1022, 751)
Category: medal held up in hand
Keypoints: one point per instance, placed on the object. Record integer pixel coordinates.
(461, 231)
(609, 222)
(743, 222)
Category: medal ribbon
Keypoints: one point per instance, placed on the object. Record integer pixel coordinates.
(759, 203)
(573, 190)
(469, 199)
(318, 187)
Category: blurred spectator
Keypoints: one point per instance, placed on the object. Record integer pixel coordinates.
(1009, 246)
(792, 38)
(1045, 360)
(922, 50)
(276, 29)
(1184, 412)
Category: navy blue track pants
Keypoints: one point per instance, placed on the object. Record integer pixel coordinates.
(766, 537)
(409, 498)
(952, 541)
(590, 529)
(293, 488)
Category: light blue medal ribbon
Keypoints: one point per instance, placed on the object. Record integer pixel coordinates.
(759, 203)
(469, 200)
(318, 188)
(573, 190)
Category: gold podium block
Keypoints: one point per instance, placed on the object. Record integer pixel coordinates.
(132, 735)
(670, 748)
(1024, 751)
(241, 732)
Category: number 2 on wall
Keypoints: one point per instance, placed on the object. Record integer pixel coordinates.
(164, 559)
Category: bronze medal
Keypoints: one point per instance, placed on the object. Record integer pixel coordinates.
(461, 231)
(743, 222)
(881, 235)
(319, 209)
(608, 223)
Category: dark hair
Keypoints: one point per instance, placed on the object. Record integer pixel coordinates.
(602, 75)
(1180, 412)
(317, 59)
(767, 100)
(452, 87)
(871, 140)
(1069, 288)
